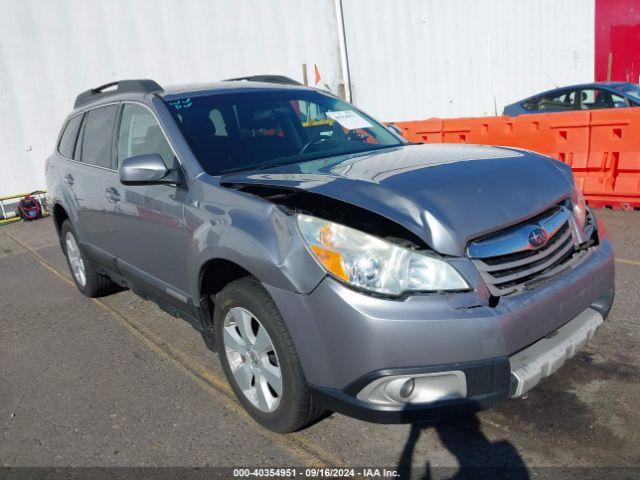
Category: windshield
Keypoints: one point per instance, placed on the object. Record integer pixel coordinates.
(629, 89)
(250, 130)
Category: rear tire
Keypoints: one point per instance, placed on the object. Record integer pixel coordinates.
(252, 356)
(84, 273)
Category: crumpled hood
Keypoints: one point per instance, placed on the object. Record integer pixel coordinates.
(446, 194)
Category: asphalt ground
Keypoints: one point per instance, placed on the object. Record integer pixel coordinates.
(115, 382)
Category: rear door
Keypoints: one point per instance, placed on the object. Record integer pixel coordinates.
(60, 183)
(147, 221)
(86, 178)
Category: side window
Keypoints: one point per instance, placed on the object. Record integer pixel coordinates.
(313, 118)
(219, 125)
(618, 102)
(532, 104)
(68, 139)
(565, 100)
(309, 112)
(140, 134)
(97, 136)
(593, 98)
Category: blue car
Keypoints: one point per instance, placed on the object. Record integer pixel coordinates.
(589, 96)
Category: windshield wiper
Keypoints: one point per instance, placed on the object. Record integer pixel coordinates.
(324, 155)
(257, 167)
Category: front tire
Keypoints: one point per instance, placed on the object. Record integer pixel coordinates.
(84, 273)
(260, 360)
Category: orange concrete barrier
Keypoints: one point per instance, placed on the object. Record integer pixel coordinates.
(601, 146)
(613, 166)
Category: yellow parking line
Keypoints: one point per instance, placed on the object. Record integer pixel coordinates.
(209, 381)
(628, 262)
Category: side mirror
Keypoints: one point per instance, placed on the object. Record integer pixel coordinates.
(619, 104)
(143, 170)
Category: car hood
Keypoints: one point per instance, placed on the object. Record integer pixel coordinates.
(445, 194)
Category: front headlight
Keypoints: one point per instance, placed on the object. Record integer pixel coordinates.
(579, 206)
(371, 263)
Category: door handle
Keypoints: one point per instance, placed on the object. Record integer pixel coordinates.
(112, 195)
(68, 179)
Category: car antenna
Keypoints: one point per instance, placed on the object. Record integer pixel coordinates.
(549, 77)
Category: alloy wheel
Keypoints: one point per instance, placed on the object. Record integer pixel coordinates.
(252, 359)
(75, 259)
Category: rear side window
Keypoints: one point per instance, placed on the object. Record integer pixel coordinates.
(97, 136)
(565, 100)
(68, 140)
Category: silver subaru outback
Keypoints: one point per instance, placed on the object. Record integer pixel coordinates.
(331, 264)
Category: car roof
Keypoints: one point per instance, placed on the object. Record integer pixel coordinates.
(570, 87)
(139, 88)
(588, 85)
(593, 84)
(227, 87)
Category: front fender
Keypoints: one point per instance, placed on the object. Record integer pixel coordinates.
(262, 239)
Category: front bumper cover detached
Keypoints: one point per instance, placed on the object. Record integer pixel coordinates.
(544, 357)
(488, 382)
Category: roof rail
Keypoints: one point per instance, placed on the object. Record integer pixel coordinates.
(280, 79)
(122, 86)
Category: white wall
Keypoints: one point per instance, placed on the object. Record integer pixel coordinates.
(415, 59)
(51, 50)
(408, 59)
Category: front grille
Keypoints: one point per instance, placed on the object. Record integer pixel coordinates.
(508, 262)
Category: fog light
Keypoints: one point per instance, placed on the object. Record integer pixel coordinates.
(407, 389)
(420, 388)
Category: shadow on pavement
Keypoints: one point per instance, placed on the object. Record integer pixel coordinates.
(478, 457)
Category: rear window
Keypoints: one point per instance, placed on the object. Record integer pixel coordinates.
(68, 140)
(630, 89)
(97, 136)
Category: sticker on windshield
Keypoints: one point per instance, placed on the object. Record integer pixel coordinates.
(349, 119)
(181, 103)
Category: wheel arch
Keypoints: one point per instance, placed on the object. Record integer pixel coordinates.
(59, 216)
(217, 273)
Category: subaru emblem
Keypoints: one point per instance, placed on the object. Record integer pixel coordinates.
(537, 237)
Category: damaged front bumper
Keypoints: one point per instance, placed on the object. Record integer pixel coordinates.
(348, 340)
(478, 385)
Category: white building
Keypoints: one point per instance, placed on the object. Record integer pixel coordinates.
(400, 59)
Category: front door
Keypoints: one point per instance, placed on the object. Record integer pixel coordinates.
(147, 221)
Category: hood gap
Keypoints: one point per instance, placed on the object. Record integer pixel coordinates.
(300, 201)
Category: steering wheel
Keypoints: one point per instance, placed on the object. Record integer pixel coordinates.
(314, 140)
